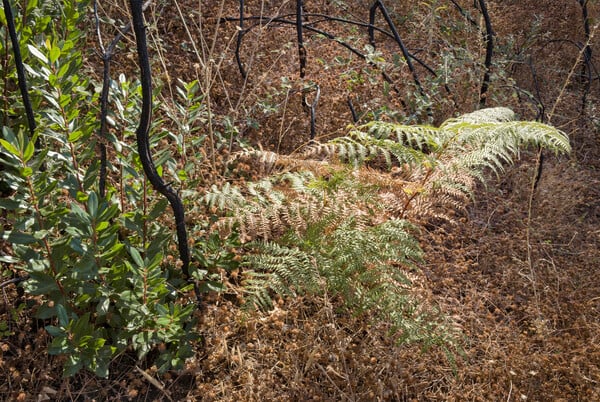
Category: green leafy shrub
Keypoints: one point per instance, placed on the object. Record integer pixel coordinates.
(98, 265)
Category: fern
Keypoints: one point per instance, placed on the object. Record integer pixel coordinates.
(362, 266)
(225, 197)
(359, 147)
(444, 162)
(291, 200)
(313, 225)
(279, 269)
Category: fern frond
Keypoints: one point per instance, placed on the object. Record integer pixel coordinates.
(444, 162)
(262, 162)
(415, 137)
(318, 225)
(487, 115)
(295, 200)
(278, 269)
(226, 197)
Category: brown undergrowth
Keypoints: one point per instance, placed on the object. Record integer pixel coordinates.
(522, 287)
(530, 332)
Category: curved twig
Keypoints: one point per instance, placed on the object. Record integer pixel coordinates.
(538, 96)
(464, 13)
(542, 118)
(107, 54)
(15, 281)
(581, 48)
(332, 37)
(324, 18)
(378, 4)
(312, 107)
(352, 110)
(106, 57)
(143, 143)
(240, 36)
(587, 55)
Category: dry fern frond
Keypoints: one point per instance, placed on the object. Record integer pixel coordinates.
(290, 201)
(265, 163)
(441, 165)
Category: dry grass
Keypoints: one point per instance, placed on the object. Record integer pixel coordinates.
(530, 324)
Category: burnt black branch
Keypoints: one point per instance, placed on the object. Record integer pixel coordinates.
(12, 31)
(143, 142)
(464, 13)
(240, 37)
(488, 37)
(378, 4)
(107, 55)
(587, 55)
(301, 47)
(312, 107)
(581, 47)
(282, 19)
(352, 110)
(541, 116)
(308, 27)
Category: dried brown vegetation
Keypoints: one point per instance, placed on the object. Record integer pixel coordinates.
(517, 271)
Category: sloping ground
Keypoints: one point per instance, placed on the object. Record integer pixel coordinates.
(522, 287)
(531, 324)
(530, 330)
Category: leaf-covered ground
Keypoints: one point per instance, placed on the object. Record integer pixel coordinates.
(517, 273)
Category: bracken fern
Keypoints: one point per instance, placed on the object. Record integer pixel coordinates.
(333, 219)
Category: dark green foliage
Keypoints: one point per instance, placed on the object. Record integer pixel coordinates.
(98, 264)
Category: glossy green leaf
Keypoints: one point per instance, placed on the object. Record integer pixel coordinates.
(31, 5)
(54, 53)
(92, 204)
(40, 283)
(54, 331)
(10, 148)
(29, 150)
(38, 54)
(11, 205)
(40, 234)
(75, 136)
(102, 226)
(103, 306)
(63, 317)
(18, 237)
(72, 365)
(137, 257)
(26, 171)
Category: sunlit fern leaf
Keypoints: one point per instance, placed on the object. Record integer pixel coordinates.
(359, 147)
(415, 137)
(469, 131)
(226, 197)
(278, 269)
(444, 157)
(298, 180)
(357, 262)
(488, 115)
